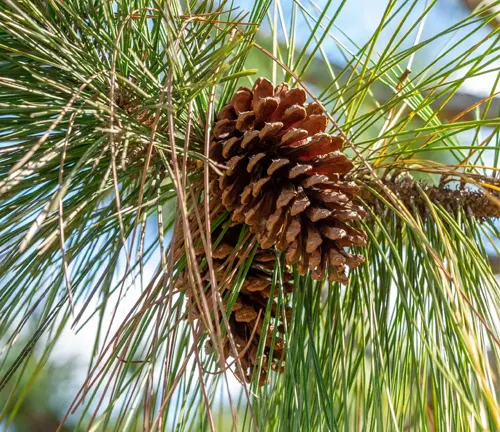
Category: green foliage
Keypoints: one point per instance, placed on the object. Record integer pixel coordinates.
(104, 106)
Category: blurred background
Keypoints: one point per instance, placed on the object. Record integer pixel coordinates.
(49, 382)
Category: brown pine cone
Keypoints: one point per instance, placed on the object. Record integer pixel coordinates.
(247, 313)
(285, 178)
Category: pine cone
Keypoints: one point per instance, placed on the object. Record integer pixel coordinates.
(247, 313)
(285, 178)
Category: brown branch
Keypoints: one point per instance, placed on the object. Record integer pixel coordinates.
(478, 203)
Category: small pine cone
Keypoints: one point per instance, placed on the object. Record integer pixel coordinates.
(285, 178)
(247, 313)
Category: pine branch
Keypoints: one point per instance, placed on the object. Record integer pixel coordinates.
(479, 203)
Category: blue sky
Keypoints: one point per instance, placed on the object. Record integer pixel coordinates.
(359, 20)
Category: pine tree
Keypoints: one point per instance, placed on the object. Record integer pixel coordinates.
(319, 235)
